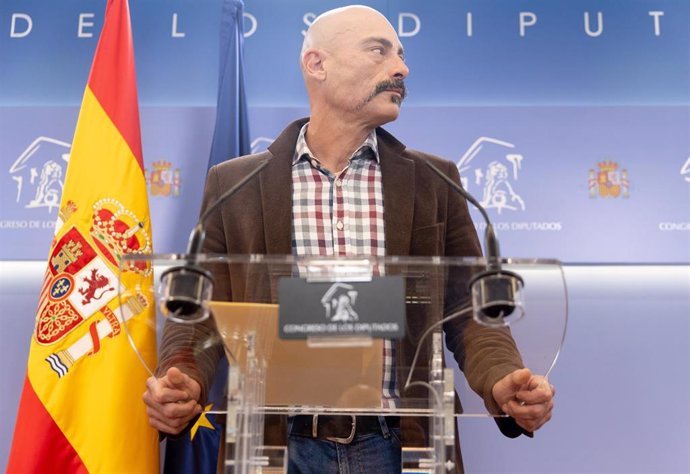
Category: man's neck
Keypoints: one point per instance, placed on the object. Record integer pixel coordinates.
(333, 142)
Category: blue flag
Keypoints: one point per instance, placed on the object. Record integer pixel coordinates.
(231, 132)
(196, 449)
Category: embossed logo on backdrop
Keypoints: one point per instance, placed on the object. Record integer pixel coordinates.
(608, 181)
(685, 170)
(490, 170)
(39, 173)
(163, 180)
(260, 144)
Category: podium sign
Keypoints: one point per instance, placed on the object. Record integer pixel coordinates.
(374, 308)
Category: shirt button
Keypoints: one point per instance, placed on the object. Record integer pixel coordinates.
(339, 182)
(339, 225)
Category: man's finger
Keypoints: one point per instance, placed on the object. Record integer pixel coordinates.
(162, 427)
(520, 377)
(167, 426)
(181, 410)
(534, 425)
(171, 410)
(172, 416)
(161, 393)
(527, 412)
(537, 382)
(175, 378)
(170, 395)
(533, 397)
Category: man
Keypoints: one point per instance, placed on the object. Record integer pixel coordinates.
(380, 200)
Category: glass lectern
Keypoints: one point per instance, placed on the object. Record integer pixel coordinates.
(419, 338)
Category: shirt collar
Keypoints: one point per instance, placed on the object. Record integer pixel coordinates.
(302, 149)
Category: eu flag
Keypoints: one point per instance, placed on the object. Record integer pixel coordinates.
(231, 133)
(196, 449)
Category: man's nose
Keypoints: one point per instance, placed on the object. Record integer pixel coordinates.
(400, 69)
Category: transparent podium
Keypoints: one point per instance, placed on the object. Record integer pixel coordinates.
(419, 341)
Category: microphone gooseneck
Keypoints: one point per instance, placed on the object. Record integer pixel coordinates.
(187, 288)
(496, 292)
(198, 234)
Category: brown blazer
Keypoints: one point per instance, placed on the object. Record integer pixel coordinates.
(422, 215)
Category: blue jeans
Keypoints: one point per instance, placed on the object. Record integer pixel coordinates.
(371, 452)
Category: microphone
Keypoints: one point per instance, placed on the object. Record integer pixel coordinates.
(496, 292)
(186, 289)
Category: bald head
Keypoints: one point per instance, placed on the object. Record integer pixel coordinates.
(330, 27)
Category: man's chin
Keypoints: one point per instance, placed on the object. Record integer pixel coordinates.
(384, 118)
(395, 109)
(378, 113)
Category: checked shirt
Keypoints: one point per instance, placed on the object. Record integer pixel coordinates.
(342, 215)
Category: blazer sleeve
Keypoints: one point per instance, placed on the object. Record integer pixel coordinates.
(485, 355)
(196, 349)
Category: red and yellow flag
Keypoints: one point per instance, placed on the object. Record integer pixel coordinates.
(81, 408)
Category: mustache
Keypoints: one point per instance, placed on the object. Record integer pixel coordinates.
(384, 86)
(396, 84)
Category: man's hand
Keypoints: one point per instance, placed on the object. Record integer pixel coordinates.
(527, 398)
(172, 400)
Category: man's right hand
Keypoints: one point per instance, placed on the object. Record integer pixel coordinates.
(172, 400)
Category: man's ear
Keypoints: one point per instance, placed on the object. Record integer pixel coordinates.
(313, 64)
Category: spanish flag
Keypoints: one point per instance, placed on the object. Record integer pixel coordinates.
(81, 408)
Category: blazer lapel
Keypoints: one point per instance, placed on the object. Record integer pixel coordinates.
(276, 203)
(276, 192)
(398, 180)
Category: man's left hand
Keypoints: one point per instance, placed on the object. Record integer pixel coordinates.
(526, 397)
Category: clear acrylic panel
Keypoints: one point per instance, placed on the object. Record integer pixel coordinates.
(464, 324)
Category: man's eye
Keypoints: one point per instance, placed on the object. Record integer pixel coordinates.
(378, 50)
